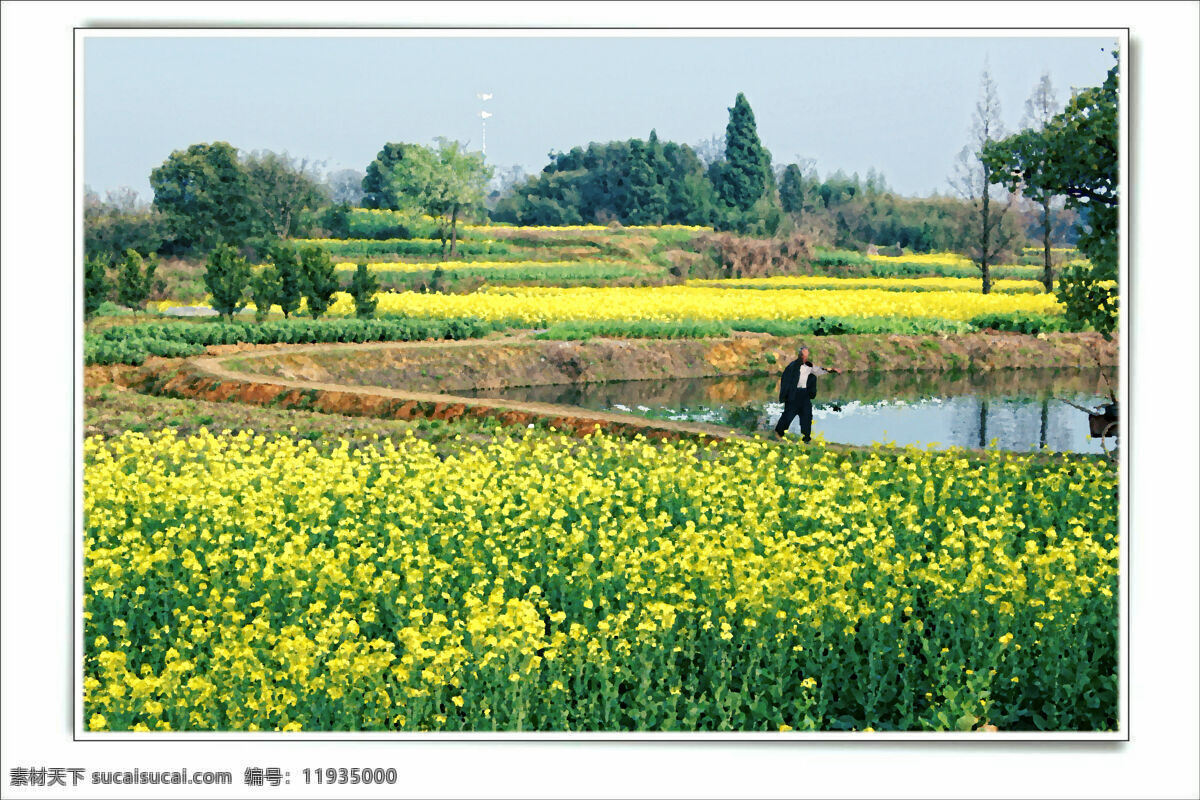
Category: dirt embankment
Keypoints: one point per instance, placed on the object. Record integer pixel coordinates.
(418, 380)
(459, 366)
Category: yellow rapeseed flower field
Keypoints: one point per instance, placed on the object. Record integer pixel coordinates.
(236, 582)
(543, 305)
(932, 259)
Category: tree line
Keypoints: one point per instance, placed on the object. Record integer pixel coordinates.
(1055, 179)
(210, 193)
(289, 276)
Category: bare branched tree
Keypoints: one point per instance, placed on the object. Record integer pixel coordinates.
(345, 186)
(985, 234)
(710, 150)
(282, 188)
(1040, 108)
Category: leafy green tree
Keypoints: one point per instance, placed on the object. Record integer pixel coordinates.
(791, 190)
(96, 286)
(378, 190)
(320, 280)
(457, 183)
(690, 195)
(135, 280)
(363, 287)
(283, 190)
(205, 196)
(288, 278)
(745, 172)
(645, 197)
(408, 181)
(227, 277)
(664, 182)
(1076, 155)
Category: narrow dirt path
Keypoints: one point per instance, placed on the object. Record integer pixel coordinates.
(214, 366)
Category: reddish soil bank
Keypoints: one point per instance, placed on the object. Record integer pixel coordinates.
(207, 379)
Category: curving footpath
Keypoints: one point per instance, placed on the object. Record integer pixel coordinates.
(207, 377)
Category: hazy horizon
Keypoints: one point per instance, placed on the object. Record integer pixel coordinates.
(899, 105)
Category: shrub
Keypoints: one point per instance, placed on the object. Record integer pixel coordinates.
(95, 285)
(363, 287)
(833, 326)
(1023, 322)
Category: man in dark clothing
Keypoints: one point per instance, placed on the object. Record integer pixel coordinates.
(797, 388)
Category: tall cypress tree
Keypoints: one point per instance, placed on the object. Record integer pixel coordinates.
(363, 287)
(743, 177)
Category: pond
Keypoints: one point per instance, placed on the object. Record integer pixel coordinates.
(1017, 409)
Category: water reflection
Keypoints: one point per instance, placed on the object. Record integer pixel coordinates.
(1018, 409)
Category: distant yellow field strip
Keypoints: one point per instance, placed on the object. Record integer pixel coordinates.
(894, 284)
(399, 266)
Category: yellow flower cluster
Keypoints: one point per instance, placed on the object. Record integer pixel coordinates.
(1010, 285)
(540, 305)
(236, 582)
(932, 259)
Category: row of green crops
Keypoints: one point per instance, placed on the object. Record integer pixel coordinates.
(849, 262)
(908, 269)
(834, 326)
(641, 329)
(813, 326)
(518, 272)
(1019, 322)
(999, 286)
(416, 248)
(607, 584)
(131, 344)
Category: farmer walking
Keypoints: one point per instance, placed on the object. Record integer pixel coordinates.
(797, 388)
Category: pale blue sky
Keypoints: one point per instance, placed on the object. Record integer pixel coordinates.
(901, 105)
